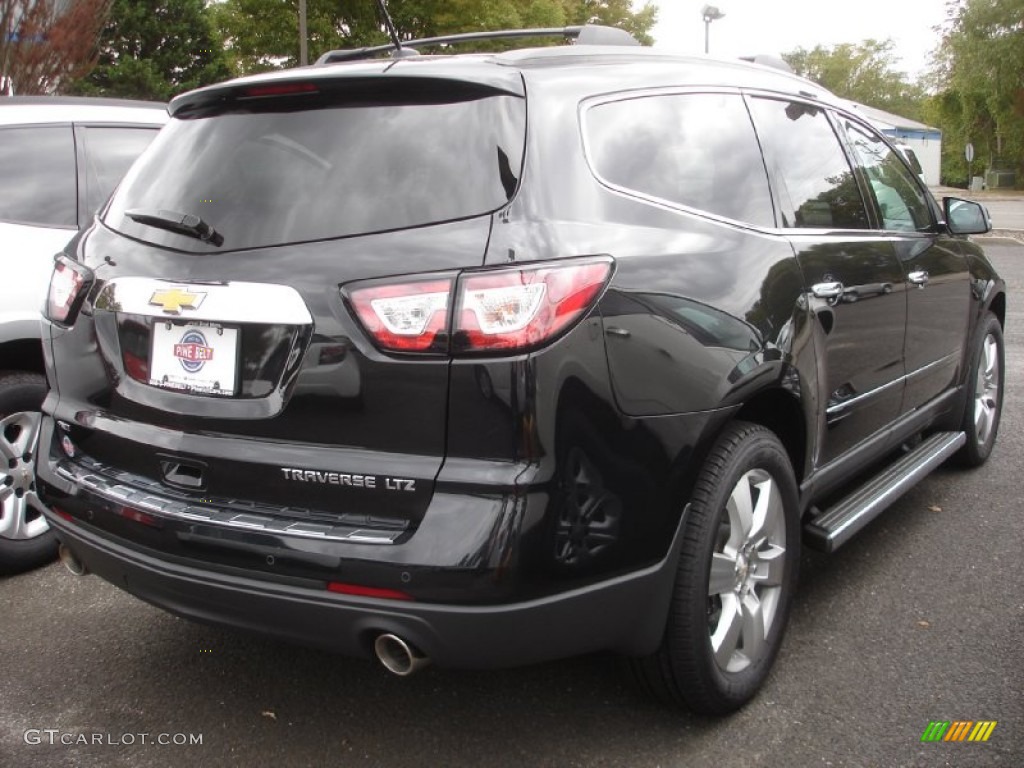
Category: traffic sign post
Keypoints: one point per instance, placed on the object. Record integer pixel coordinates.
(969, 155)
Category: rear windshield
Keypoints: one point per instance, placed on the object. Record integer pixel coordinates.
(315, 167)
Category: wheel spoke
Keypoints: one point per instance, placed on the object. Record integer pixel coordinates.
(740, 508)
(727, 634)
(753, 627)
(723, 574)
(765, 511)
(770, 564)
(12, 521)
(8, 450)
(991, 361)
(982, 419)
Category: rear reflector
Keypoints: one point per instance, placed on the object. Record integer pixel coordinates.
(66, 516)
(360, 591)
(138, 516)
(496, 310)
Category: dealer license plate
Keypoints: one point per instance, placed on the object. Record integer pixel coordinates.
(195, 357)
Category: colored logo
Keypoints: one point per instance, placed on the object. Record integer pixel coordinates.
(192, 351)
(958, 730)
(173, 300)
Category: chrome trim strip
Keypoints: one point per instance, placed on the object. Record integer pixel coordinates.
(212, 515)
(840, 407)
(835, 410)
(951, 357)
(232, 302)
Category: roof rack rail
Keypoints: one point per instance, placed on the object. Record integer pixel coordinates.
(767, 60)
(587, 34)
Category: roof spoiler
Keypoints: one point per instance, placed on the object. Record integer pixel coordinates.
(587, 34)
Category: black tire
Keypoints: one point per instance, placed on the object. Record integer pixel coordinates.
(21, 392)
(684, 671)
(984, 393)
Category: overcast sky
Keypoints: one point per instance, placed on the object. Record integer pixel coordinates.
(778, 26)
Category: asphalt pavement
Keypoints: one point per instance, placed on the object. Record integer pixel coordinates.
(920, 618)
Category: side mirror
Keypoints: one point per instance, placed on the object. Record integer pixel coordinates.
(965, 217)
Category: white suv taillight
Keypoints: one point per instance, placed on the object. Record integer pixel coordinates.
(67, 289)
(495, 310)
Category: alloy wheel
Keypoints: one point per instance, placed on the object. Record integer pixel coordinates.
(746, 573)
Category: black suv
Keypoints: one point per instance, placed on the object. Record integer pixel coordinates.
(496, 358)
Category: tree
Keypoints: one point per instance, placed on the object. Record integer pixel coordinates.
(979, 75)
(863, 72)
(151, 49)
(44, 44)
(263, 34)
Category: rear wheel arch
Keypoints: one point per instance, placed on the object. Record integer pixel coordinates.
(780, 412)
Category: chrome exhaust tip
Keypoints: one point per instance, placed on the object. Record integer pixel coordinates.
(75, 566)
(397, 656)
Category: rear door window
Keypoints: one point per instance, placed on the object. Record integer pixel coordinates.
(368, 158)
(107, 152)
(696, 150)
(37, 176)
(817, 186)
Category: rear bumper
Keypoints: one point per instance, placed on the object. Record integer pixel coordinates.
(625, 614)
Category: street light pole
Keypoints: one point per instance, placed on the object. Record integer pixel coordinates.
(709, 13)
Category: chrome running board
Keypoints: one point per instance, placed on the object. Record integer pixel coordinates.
(835, 526)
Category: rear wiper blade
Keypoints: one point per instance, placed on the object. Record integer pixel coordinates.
(186, 224)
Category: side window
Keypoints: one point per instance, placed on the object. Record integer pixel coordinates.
(817, 186)
(901, 202)
(698, 150)
(109, 153)
(37, 176)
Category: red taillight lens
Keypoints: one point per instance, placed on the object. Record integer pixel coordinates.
(521, 309)
(405, 317)
(67, 284)
(496, 310)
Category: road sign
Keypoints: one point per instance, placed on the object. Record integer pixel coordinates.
(969, 152)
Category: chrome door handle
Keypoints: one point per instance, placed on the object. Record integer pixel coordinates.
(918, 277)
(827, 290)
(613, 330)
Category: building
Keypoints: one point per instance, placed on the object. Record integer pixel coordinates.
(923, 139)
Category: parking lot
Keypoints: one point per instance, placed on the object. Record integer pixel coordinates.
(920, 618)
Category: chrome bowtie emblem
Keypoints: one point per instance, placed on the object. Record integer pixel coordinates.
(173, 300)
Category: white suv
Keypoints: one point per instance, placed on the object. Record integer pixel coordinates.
(60, 158)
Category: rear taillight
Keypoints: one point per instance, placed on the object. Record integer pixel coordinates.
(68, 286)
(524, 308)
(407, 316)
(495, 310)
